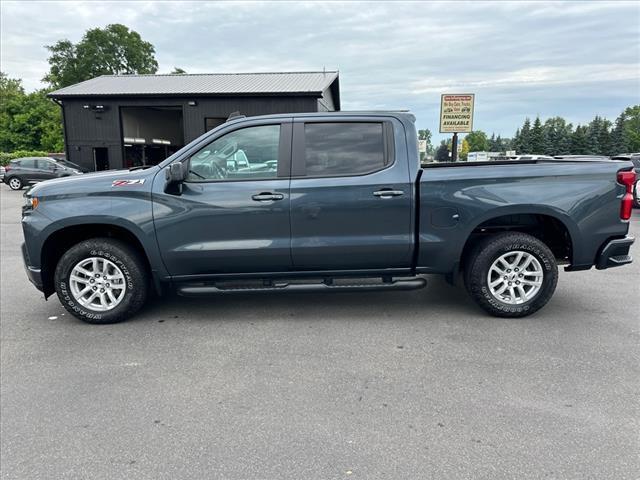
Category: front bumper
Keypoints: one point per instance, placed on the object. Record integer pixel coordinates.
(615, 253)
(33, 274)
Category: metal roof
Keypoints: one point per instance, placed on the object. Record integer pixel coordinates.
(300, 83)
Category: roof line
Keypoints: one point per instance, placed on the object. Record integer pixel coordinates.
(207, 74)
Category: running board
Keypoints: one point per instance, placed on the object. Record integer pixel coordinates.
(192, 290)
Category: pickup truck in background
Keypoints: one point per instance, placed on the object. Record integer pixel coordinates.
(322, 202)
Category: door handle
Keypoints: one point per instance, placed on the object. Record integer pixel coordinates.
(388, 193)
(267, 196)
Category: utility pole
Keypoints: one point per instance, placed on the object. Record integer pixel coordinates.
(454, 148)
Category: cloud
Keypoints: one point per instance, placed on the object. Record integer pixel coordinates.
(573, 59)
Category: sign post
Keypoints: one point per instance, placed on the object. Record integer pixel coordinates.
(456, 116)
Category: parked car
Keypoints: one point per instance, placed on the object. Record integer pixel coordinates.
(24, 171)
(635, 159)
(597, 158)
(530, 157)
(334, 197)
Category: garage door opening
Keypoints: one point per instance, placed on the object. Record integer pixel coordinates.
(150, 134)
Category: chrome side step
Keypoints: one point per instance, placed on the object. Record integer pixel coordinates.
(328, 285)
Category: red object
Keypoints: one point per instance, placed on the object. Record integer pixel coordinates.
(7, 168)
(627, 179)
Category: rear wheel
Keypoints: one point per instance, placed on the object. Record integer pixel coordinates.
(101, 280)
(15, 183)
(511, 274)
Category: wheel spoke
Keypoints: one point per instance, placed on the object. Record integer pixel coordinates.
(111, 296)
(75, 278)
(516, 262)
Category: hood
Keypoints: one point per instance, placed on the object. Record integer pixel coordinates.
(95, 182)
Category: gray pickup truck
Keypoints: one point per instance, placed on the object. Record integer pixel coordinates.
(322, 202)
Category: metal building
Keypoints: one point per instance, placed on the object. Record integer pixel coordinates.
(121, 121)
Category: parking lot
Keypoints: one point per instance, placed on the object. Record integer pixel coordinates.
(417, 384)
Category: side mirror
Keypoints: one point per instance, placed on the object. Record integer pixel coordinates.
(176, 173)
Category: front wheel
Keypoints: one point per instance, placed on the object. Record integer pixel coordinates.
(511, 274)
(101, 280)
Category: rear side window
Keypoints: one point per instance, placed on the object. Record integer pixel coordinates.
(341, 149)
(27, 163)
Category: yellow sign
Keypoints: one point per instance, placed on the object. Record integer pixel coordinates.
(456, 113)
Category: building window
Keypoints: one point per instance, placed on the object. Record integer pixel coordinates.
(210, 123)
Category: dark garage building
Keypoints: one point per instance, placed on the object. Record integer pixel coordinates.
(122, 121)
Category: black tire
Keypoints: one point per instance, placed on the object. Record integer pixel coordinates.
(125, 258)
(488, 251)
(15, 183)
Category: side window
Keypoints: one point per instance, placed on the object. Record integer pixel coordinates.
(247, 154)
(28, 163)
(348, 148)
(44, 164)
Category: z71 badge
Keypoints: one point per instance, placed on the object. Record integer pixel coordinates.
(127, 183)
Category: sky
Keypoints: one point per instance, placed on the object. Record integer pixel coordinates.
(521, 59)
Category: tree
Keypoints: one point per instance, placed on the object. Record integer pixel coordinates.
(522, 141)
(28, 121)
(557, 136)
(619, 139)
(537, 137)
(464, 150)
(178, 71)
(579, 141)
(112, 50)
(425, 135)
(442, 153)
(632, 128)
(477, 141)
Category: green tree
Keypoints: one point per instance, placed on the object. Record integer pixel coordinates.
(178, 71)
(537, 138)
(425, 134)
(523, 138)
(28, 121)
(557, 136)
(580, 141)
(477, 141)
(632, 128)
(442, 153)
(619, 140)
(112, 50)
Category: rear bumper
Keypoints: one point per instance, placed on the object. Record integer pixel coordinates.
(615, 253)
(33, 274)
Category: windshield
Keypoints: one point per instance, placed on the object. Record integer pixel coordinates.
(67, 163)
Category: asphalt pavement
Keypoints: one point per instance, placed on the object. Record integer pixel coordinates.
(399, 385)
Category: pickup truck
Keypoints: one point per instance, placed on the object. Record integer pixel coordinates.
(322, 202)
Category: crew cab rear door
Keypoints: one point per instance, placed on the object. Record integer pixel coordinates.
(232, 214)
(351, 194)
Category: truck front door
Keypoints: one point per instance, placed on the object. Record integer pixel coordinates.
(351, 194)
(232, 215)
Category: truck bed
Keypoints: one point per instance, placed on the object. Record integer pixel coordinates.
(457, 200)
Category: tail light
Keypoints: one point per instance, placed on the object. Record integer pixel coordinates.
(7, 167)
(627, 179)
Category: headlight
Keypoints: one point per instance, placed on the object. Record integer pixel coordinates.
(30, 203)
